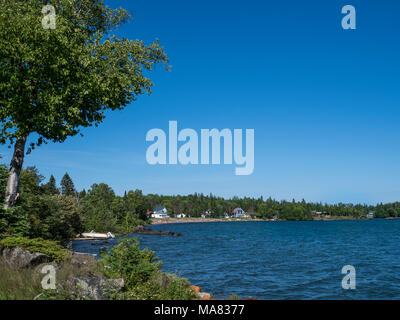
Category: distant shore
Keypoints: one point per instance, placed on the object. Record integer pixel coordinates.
(205, 220)
(196, 220)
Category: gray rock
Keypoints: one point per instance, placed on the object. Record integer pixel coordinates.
(95, 288)
(20, 258)
(82, 259)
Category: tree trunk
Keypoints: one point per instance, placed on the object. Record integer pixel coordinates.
(12, 191)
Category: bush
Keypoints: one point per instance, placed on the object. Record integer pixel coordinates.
(50, 248)
(177, 289)
(142, 275)
(126, 260)
(162, 287)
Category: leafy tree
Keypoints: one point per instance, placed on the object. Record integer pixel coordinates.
(69, 216)
(52, 217)
(53, 82)
(135, 204)
(14, 221)
(97, 209)
(30, 180)
(39, 214)
(67, 186)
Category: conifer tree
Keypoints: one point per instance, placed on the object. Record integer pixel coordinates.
(67, 186)
(51, 186)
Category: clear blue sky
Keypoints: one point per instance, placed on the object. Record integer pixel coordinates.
(324, 102)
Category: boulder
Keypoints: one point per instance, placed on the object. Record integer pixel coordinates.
(96, 288)
(18, 258)
(82, 259)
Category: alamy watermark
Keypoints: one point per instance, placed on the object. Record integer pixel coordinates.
(49, 19)
(349, 20)
(49, 280)
(349, 280)
(188, 152)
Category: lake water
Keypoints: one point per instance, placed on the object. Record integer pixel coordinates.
(281, 260)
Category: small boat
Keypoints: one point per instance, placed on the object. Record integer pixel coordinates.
(97, 236)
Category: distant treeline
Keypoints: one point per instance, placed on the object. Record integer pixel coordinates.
(194, 205)
(60, 212)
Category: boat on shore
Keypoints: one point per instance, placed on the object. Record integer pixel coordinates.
(92, 235)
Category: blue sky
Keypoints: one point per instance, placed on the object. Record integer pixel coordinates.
(324, 102)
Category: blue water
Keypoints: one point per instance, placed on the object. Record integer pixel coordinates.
(281, 260)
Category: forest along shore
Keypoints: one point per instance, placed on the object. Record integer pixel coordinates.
(195, 220)
(205, 220)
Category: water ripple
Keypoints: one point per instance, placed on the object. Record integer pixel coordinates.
(281, 260)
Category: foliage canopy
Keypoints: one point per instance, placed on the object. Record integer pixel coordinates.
(55, 81)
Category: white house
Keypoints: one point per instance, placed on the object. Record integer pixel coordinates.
(181, 215)
(206, 214)
(160, 213)
(239, 213)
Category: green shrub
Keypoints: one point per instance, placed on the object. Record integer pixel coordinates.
(126, 260)
(162, 287)
(144, 291)
(141, 271)
(51, 248)
(177, 289)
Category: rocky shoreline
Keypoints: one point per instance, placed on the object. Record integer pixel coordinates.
(147, 231)
(81, 282)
